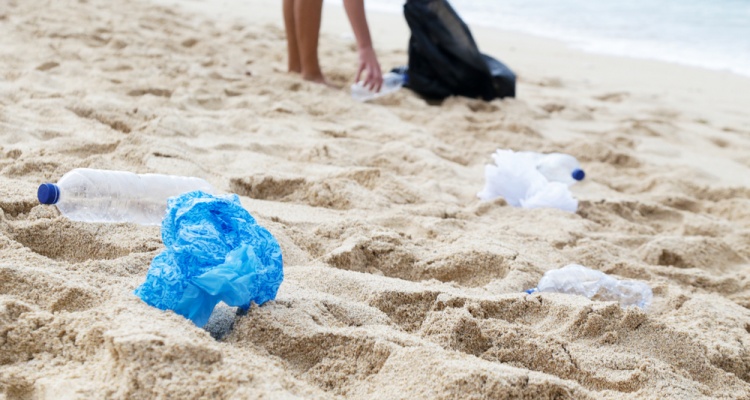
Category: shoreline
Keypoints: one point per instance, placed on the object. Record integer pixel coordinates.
(700, 94)
(390, 32)
(568, 42)
(397, 30)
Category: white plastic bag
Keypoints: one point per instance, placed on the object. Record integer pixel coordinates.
(515, 177)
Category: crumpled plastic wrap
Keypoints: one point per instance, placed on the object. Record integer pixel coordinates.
(515, 178)
(577, 279)
(215, 251)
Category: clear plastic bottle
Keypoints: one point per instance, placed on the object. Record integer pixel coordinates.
(558, 167)
(577, 279)
(392, 82)
(92, 195)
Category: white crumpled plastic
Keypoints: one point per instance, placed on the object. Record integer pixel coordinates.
(577, 279)
(515, 178)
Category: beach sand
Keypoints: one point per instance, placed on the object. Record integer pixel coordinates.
(400, 283)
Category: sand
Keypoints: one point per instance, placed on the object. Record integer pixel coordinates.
(400, 283)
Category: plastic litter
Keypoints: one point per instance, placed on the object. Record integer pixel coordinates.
(557, 167)
(215, 251)
(518, 178)
(392, 82)
(92, 195)
(577, 279)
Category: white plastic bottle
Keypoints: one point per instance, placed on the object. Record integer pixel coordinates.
(558, 167)
(92, 195)
(577, 279)
(392, 82)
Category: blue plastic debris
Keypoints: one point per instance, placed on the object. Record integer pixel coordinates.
(215, 251)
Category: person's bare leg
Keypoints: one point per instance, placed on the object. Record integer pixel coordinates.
(291, 36)
(307, 16)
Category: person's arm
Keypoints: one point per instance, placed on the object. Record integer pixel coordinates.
(368, 61)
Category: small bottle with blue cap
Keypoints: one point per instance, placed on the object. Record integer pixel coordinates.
(559, 167)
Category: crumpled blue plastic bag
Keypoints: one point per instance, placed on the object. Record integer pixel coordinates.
(215, 251)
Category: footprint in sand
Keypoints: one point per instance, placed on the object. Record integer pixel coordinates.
(35, 284)
(711, 254)
(108, 118)
(341, 192)
(14, 154)
(189, 42)
(552, 108)
(152, 91)
(47, 66)
(615, 97)
(551, 82)
(266, 187)
(720, 142)
(64, 240)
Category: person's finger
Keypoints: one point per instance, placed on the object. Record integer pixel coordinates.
(379, 77)
(359, 72)
(375, 85)
(372, 81)
(376, 78)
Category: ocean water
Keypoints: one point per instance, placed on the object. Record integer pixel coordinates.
(713, 34)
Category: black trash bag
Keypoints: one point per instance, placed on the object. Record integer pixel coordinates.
(444, 59)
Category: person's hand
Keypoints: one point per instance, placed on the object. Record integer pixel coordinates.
(369, 66)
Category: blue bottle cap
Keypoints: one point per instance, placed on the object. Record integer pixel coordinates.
(531, 291)
(578, 174)
(48, 193)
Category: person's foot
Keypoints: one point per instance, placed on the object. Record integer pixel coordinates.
(314, 77)
(319, 78)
